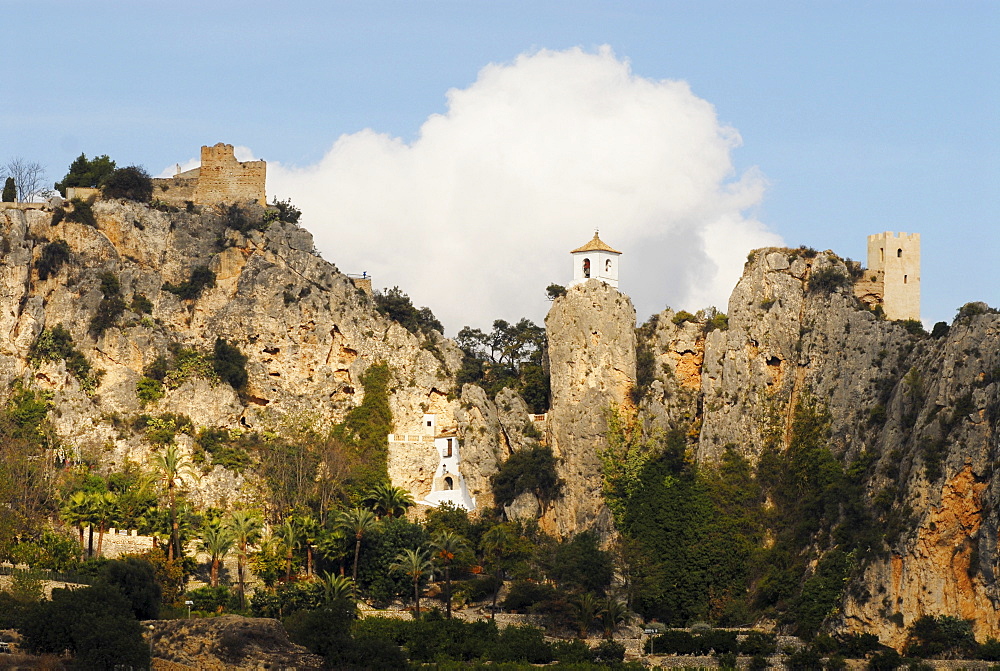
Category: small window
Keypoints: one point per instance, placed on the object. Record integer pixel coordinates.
(607, 266)
(881, 254)
(904, 279)
(449, 484)
(447, 449)
(429, 423)
(586, 268)
(899, 253)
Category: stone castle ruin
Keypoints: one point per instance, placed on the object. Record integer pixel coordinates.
(219, 179)
(892, 278)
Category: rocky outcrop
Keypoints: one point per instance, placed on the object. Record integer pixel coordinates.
(591, 336)
(308, 333)
(225, 642)
(926, 409)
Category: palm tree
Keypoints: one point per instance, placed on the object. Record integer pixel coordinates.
(217, 541)
(386, 500)
(337, 588)
(498, 546)
(171, 469)
(586, 608)
(357, 522)
(105, 514)
(245, 526)
(447, 545)
(309, 530)
(614, 613)
(77, 512)
(414, 563)
(291, 540)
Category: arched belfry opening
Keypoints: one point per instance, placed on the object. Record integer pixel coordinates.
(595, 260)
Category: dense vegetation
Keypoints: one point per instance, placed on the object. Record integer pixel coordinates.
(397, 306)
(510, 355)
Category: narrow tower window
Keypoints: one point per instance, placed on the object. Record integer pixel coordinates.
(899, 253)
(447, 449)
(586, 268)
(607, 266)
(904, 279)
(881, 254)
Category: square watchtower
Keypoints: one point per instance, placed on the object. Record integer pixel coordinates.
(894, 262)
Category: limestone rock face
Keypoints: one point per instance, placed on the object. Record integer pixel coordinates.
(914, 402)
(591, 336)
(308, 333)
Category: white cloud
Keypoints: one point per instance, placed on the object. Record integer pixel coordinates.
(477, 215)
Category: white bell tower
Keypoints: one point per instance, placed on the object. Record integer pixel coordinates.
(595, 261)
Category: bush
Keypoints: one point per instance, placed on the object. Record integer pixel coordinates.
(52, 258)
(938, 636)
(554, 291)
(529, 470)
(149, 390)
(672, 642)
(131, 183)
(990, 650)
(190, 289)
(520, 643)
(805, 658)
(230, 364)
(683, 316)
(111, 306)
(397, 306)
(523, 595)
(886, 660)
(609, 652)
(287, 212)
(241, 219)
(759, 643)
(82, 213)
(827, 280)
(141, 304)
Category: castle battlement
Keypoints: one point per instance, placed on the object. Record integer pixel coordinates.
(219, 179)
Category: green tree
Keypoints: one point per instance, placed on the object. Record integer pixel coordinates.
(105, 506)
(614, 613)
(511, 355)
(131, 183)
(230, 364)
(387, 500)
(245, 527)
(216, 540)
(397, 306)
(9, 190)
(415, 564)
(447, 547)
(587, 610)
(78, 511)
(86, 172)
(356, 523)
(172, 469)
(291, 539)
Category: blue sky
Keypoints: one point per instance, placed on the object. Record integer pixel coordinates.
(858, 117)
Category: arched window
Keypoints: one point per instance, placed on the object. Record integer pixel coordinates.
(607, 266)
(586, 268)
(899, 253)
(449, 484)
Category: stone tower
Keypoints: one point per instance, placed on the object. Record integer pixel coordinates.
(595, 261)
(894, 267)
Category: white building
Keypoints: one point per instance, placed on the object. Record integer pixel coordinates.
(448, 484)
(595, 261)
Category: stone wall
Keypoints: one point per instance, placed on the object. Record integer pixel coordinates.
(223, 179)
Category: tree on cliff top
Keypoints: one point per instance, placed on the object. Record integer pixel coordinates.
(86, 172)
(131, 183)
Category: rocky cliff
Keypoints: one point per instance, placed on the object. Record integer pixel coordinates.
(308, 333)
(923, 410)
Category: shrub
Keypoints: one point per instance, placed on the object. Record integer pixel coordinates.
(111, 306)
(149, 390)
(990, 650)
(131, 183)
(82, 213)
(828, 280)
(532, 470)
(520, 643)
(805, 658)
(932, 636)
(230, 364)
(241, 219)
(683, 316)
(287, 212)
(397, 306)
(191, 288)
(887, 660)
(141, 304)
(940, 330)
(554, 291)
(52, 258)
(759, 643)
(523, 595)
(672, 642)
(610, 652)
